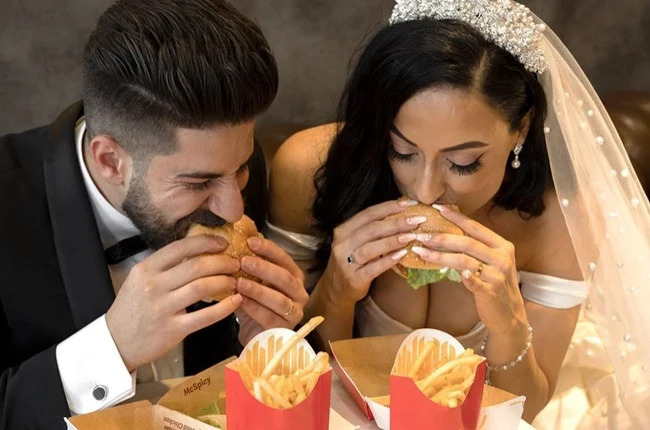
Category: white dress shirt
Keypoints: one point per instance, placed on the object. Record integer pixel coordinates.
(92, 371)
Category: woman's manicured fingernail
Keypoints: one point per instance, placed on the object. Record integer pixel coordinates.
(422, 252)
(399, 255)
(440, 208)
(406, 238)
(416, 220)
(467, 274)
(424, 237)
(407, 203)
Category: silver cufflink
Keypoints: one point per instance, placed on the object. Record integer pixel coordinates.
(100, 392)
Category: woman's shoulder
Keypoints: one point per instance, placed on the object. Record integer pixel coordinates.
(305, 149)
(291, 184)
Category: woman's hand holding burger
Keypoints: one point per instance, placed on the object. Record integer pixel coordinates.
(486, 262)
(364, 247)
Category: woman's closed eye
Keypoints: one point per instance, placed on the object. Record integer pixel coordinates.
(398, 156)
(459, 169)
(466, 169)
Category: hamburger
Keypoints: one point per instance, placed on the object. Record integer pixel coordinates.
(412, 267)
(236, 235)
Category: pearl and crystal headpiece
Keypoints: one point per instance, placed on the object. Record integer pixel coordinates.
(505, 23)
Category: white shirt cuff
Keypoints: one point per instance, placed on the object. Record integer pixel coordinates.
(92, 371)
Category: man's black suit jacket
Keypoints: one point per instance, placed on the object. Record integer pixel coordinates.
(54, 279)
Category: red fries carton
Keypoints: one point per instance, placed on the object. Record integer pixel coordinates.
(453, 383)
(372, 372)
(278, 382)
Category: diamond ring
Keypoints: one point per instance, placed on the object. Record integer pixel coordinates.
(351, 259)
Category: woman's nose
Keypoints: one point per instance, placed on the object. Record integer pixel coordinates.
(430, 188)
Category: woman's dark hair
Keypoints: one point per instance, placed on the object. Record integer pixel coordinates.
(400, 61)
(151, 66)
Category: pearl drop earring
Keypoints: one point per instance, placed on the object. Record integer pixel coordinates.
(516, 163)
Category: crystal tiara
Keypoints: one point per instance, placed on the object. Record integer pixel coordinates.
(507, 24)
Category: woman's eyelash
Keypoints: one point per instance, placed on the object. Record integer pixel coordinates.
(393, 154)
(462, 170)
(467, 169)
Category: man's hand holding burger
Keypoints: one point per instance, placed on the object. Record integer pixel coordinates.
(269, 281)
(148, 317)
(278, 297)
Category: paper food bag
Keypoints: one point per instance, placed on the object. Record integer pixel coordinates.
(194, 402)
(130, 416)
(202, 395)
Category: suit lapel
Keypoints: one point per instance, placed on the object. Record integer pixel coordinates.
(76, 238)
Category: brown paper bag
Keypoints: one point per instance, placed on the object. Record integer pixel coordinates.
(129, 416)
(199, 395)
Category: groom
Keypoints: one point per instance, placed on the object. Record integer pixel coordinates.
(99, 286)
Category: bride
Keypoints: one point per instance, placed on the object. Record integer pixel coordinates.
(480, 105)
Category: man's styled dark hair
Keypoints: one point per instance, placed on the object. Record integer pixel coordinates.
(153, 65)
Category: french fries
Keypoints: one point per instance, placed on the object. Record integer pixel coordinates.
(282, 375)
(441, 375)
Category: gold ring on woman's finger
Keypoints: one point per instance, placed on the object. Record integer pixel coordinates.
(479, 270)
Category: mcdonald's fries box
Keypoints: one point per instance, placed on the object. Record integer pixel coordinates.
(422, 379)
(277, 383)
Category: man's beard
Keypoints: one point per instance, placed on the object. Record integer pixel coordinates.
(155, 231)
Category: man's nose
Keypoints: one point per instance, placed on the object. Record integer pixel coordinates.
(227, 202)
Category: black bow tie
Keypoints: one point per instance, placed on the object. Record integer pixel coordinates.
(124, 249)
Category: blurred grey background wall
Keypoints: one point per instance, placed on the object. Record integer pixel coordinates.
(41, 42)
